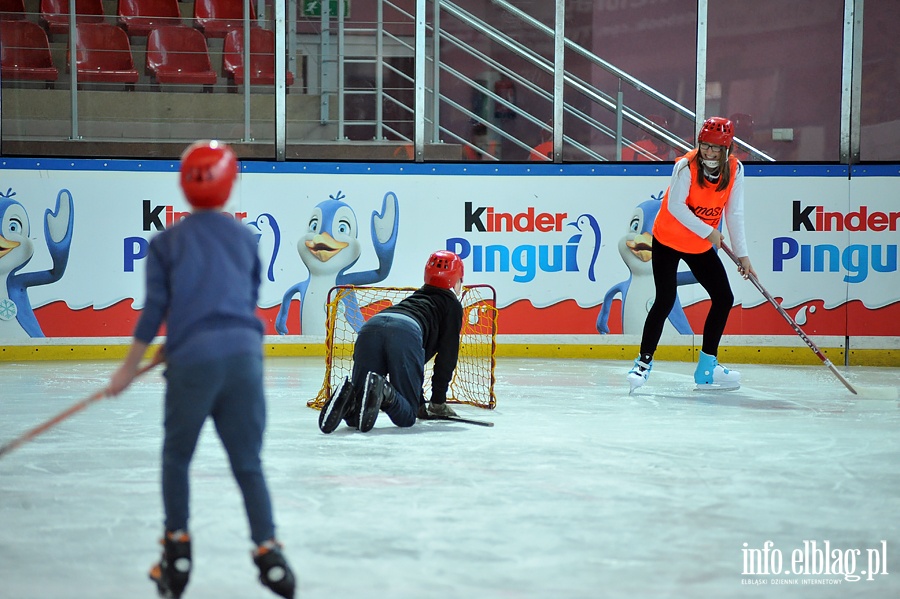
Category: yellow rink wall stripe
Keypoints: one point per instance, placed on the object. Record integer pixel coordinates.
(18, 353)
(729, 354)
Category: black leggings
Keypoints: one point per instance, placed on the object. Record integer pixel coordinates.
(710, 273)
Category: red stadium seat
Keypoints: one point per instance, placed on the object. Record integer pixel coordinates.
(140, 17)
(12, 10)
(25, 52)
(215, 18)
(262, 57)
(179, 54)
(54, 14)
(103, 55)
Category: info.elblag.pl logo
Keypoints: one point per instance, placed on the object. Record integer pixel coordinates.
(812, 563)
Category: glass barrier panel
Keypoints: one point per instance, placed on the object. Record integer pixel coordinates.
(775, 68)
(880, 99)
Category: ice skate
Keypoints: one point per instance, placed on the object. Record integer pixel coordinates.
(274, 572)
(710, 375)
(337, 407)
(639, 374)
(174, 568)
(377, 395)
(440, 410)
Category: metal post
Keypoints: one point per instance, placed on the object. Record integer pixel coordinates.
(419, 111)
(700, 98)
(379, 74)
(280, 83)
(559, 73)
(324, 60)
(73, 70)
(619, 105)
(341, 56)
(247, 133)
(851, 81)
(856, 87)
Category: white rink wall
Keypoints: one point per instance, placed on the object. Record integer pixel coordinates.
(548, 238)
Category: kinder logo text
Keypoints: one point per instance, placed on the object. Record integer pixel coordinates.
(487, 220)
(526, 260)
(816, 218)
(814, 558)
(155, 218)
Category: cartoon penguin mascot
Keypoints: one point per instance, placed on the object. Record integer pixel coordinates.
(588, 243)
(639, 290)
(17, 319)
(268, 237)
(328, 249)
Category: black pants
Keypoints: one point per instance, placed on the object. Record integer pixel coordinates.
(391, 345)
(710, 273)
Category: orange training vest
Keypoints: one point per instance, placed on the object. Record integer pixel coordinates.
(705, 202)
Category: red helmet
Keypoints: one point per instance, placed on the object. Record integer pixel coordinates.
(443, 269)
(717, 130)
(208, 170)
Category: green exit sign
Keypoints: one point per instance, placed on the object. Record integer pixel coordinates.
(313, 8)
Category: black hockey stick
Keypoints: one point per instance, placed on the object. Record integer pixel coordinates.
(466, 420)
(791, 322)
(459, 419)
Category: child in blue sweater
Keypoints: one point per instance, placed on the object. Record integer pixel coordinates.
(203, 277)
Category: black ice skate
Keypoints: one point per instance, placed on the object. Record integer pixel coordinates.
(377, 395)
(337, 407)
(274, 571)
(174, 568)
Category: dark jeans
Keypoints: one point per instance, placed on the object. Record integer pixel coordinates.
(710, 273)
(230, 391)
(391, 345)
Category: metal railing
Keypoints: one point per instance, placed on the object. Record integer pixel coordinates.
(596, 123)
(443, 104)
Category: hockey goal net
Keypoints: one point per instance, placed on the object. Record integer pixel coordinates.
(350, 306)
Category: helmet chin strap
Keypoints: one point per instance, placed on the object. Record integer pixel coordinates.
(457, 290)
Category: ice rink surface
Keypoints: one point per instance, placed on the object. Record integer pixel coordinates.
(578, 491)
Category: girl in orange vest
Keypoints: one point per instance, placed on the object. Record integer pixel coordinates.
(707, 183)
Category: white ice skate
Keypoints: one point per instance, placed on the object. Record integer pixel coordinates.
(712, 376)
(639, 374)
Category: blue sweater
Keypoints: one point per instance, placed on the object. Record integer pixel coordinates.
(203, 277)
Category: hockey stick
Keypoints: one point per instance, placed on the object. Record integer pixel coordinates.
(466, 420)
(790, 320)
(74, 409)
(460, 419)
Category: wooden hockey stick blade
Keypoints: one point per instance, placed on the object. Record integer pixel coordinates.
(460, 419)
(791, 321)
(73, 409)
